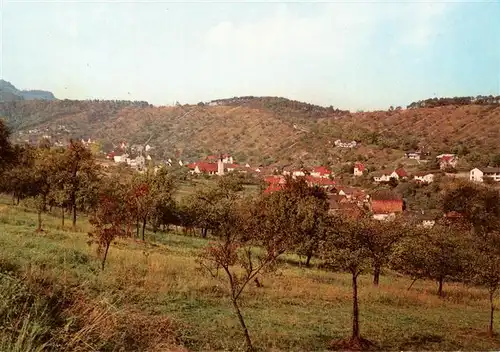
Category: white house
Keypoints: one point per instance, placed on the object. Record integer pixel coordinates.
(478, 174)
(341, 144)
(120, 158)
(385, 176)
(413, 155)
(424, 177)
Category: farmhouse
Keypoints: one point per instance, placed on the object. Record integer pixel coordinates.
(385, 204)
(478, 174)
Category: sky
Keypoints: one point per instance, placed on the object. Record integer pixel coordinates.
(350, 54)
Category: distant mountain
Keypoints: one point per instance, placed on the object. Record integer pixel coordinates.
(8, 92)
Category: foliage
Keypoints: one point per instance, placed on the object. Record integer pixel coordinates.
(439, 253)
(112, 217)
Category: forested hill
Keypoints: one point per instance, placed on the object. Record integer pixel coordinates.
(8, 92)
(272, 130)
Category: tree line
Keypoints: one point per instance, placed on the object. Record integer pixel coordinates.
(249, 234)
(435, 102)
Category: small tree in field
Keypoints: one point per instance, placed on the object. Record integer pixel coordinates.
(381, 244)
(439, 254)
(345, 248)
(245, 227)
(111, 219)
(486, 268)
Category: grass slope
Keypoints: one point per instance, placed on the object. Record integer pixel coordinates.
(297, 309)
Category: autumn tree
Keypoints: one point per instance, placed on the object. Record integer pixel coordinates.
(112, 217)
(345, 248)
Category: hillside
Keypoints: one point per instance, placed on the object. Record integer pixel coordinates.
(8, 92)
(154, 297)
(269, 130)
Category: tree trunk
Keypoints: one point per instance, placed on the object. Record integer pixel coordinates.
(204, 233)
(18, 200)
(440, 287)
(137, 228)
(355, 308)
(376, 274)
(62, 217)
(13, 199)
(308, 259)
(74, 213)
(143, 229)
(492, 311)
(105, 256)
(243, 325)
(39, 220)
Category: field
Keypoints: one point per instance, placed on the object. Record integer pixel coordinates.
(155, 297)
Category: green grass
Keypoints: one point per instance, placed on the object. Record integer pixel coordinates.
(297, 309)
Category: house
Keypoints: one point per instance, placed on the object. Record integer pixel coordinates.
(341, 144)
(478, 174)
(385, 204)
(447, 161)
(414, 155)
(345, 209)
(321, 171)
(320, 182)
(203, 167)
(423, 177)
(359, 168)
(120, 158)
(299, 173)
(386, 175)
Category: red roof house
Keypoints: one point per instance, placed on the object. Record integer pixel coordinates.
(384, 203)
(321, 171)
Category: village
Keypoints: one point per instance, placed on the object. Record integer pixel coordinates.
(344, 199)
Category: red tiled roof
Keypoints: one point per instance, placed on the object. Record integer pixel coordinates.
(446, 158)
(273, 187)
(359, 166)
(401, 172)
(206, 167)
(386, 206)
(319, 181)
(322, 170)
(274, 179)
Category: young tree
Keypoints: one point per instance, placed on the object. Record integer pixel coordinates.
(241, 227)
(42, 175)
(380, 245)
(438, 253)
(81, 168)
(112, 217)
(345, 248)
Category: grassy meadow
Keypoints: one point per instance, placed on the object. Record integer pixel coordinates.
(155, 297)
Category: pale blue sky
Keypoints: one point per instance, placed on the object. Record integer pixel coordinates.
(362, 55)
